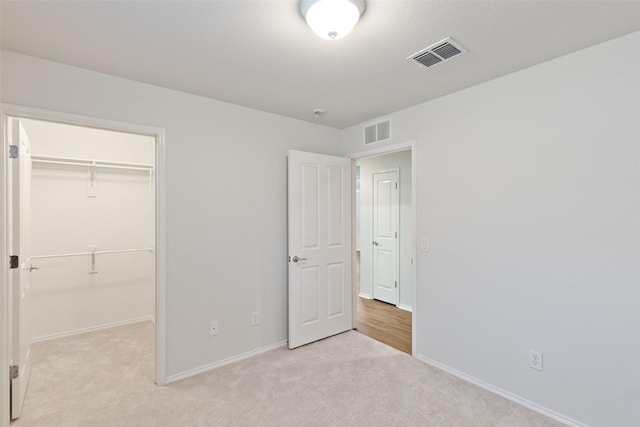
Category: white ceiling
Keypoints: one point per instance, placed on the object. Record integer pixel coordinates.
(261, 54)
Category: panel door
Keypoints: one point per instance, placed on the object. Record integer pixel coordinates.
(385, 236)
(319, 246)
(20, 277)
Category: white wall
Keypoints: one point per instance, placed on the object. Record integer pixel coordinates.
(528, 189)
(65, 297)
(226, 200)
(369, 166)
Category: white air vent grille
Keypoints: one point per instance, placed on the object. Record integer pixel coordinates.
(438, 53)
(377, 132)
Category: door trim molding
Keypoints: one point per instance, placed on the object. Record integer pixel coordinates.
(389, 149)
(17, 111)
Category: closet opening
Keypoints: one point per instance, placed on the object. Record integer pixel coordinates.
(84, 216)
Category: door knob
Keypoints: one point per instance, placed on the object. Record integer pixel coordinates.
(296, 258)
(375, 243)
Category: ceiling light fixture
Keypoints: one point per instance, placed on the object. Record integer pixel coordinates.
(332, 19)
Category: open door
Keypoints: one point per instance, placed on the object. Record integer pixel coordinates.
(319, 247)
(20, 186)
(386, 212)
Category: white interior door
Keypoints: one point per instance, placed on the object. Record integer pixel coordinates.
(319, 247)
(386, 210)
(20, 289)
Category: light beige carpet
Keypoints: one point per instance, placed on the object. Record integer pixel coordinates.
(104, 378)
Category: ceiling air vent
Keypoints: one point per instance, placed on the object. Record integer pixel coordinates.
(438, 53)
(377, 132)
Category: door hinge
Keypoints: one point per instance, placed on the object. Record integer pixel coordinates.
(396, 283)
(13, 151)
(396, 234)
(13, 261)
(13, 372)
(396, 185)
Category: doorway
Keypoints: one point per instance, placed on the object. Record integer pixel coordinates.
(96, 213)
(384, 223)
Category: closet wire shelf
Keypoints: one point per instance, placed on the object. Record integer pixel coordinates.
(91, 163)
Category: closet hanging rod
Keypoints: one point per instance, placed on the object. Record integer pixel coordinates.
(98, 165)
(88, 162)
(92, 253)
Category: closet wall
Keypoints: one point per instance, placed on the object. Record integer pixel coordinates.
(72, 214)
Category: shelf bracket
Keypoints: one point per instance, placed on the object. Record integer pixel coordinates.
(93, 261)
(91, 191)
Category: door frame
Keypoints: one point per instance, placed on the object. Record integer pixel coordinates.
(381, 151)
(16, 111)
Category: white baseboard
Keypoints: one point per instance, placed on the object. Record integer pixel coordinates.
(507, 395)
(363, 295)
(227, 361)
(92, 329)
(405, 307)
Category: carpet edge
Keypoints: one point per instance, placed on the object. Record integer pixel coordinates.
(223, 362)
(507, 395)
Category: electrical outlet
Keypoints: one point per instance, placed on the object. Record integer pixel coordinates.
(255, 318)
(424, 245)
(535, 360)
(213, 328)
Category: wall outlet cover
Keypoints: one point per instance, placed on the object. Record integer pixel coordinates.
(213, 328)
(535, 360)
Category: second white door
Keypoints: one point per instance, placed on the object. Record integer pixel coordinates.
(319, 247)
(21, 274)
(386, 211)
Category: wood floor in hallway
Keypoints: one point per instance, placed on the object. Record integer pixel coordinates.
(381, 321)
(385, 323)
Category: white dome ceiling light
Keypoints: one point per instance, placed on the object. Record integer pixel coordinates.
(332, 19)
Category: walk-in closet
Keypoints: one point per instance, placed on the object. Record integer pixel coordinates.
(91, 236)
